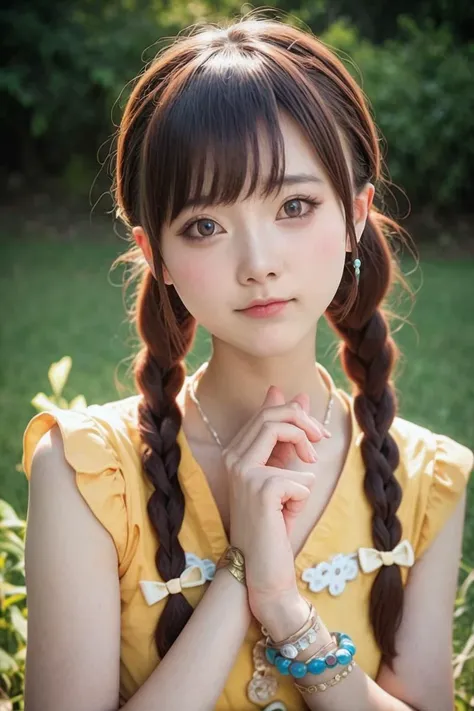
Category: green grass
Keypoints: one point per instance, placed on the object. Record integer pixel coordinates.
(59, 299)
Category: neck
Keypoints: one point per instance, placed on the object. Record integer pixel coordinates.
(233, 384)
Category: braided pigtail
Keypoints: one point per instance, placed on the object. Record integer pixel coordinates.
(368, 355)
(159, 375)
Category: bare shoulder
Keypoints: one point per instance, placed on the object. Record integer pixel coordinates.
(73, 592)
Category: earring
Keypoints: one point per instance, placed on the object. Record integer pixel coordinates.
(357, 264)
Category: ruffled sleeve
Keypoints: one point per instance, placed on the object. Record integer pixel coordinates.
(445, 477)
(98, 476)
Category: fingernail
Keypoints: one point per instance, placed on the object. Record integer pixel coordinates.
(313, 455)
(327, 433)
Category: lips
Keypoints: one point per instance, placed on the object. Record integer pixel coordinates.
(257, 302)
(266, 310)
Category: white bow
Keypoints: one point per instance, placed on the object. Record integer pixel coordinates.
(371, 559)
(154, 591)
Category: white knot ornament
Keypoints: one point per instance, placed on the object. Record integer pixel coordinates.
(207, 566)
(333, 574)
(371, 559)
(154, 591)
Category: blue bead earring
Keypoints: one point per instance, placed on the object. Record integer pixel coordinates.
(357, 264)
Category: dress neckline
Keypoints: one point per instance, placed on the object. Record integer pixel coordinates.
(200, 497)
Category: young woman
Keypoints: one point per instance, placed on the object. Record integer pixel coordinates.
(249, 536)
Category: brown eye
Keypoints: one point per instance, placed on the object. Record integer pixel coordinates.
(200, 230)
(205, 227)
(293, 207)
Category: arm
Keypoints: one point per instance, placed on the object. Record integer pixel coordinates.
(73, 652)
(422, 679)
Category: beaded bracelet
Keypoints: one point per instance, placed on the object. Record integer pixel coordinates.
(315, 688)
(330, 646)
(316, 665)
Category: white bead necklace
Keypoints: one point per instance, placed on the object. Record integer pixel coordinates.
(193, 396)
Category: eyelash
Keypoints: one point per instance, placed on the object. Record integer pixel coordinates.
(312, 202)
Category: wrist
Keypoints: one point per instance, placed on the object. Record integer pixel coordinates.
(227, 578)
(283, 615)
(229, 586)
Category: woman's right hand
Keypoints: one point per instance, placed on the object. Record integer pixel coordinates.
(264, 499)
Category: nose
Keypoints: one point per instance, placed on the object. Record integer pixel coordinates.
(259, 256)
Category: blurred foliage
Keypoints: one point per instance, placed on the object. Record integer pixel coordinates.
(67, 66)
(463, 641)
(13, 612)
(420, 88)
(378, 20)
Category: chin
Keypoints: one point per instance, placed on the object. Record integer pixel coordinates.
(270, 343)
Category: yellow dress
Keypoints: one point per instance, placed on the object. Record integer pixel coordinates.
(102, 445)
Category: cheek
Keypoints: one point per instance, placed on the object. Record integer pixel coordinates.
(327, 250)
(323, 263)
(196, 282)
(330, 248)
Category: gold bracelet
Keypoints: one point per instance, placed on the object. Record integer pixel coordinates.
(233, 559)
(323, 686)
(312, 617)
(327, 648)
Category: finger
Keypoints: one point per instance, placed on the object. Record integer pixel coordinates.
(273, 397)
(263, 473)
(241, 441)
(281, 492)
(303, 400)
(259, 451)
(294, 508)
(290, 413)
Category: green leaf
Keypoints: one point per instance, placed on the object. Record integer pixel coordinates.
(78, 403)
(18, 621)
(20, 656)
(58, 374)
(12, 548)
(43, 402)
(7, 512)
(467, 584)
(13, 593)
(7, 663)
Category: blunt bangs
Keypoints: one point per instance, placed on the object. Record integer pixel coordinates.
(213, 127)
(202, 142)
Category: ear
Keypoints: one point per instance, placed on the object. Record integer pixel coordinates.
(141, 238)
(143, 242)
(362, 204)
(166, 276)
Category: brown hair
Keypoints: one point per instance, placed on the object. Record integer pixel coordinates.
(204, 98)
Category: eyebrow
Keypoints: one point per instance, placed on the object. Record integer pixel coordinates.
(203, 200)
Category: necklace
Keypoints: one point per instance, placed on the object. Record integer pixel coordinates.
(194, 398)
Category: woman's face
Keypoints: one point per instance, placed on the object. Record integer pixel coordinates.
(282, 247)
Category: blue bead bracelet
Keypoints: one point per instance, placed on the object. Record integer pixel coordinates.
(343, 655)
